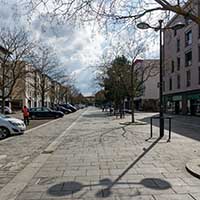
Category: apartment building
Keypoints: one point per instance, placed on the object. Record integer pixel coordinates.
(182, 67)
(27, 90)
(3, 52)
(149, 71)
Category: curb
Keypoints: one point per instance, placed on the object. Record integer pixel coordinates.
(193, 167)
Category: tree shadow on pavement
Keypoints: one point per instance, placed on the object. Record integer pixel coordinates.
(180, 128)
(72, 187)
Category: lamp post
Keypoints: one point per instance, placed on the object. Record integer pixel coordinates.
(160, 28)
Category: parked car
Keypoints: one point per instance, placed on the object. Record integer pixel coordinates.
(7, 110)
(69, 106)
(44, 112)
(10, 126)
(62, 109)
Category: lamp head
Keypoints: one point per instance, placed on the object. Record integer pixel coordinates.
(178, 26)
(143, 25)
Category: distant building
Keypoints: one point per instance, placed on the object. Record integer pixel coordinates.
(182, 66)
(149, 99)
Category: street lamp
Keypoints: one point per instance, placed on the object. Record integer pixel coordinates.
(144, 25)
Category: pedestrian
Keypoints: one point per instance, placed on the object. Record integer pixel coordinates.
(25, 115)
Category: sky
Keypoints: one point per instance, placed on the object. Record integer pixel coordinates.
(79, 48)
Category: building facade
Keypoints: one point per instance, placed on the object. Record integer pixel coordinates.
(149, 99)
(27, 91)
(181, 78)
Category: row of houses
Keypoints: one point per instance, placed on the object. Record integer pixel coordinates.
(28, 89)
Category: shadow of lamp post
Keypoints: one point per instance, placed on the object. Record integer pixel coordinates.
(144, 25)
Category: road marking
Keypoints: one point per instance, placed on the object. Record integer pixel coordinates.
(20, 181)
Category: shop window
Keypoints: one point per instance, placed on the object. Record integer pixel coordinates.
(188, 58)
(178, 63)
(170, 84)
(178, 82)
(188, 38)
(188, 78)
(178, 45)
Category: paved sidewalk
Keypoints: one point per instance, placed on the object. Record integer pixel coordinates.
(18, 151)
(100, 159)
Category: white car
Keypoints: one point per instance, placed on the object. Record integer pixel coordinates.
(10, 126)
(7, 110)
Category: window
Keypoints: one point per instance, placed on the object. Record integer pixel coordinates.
(188, 20)
(199, 53)
(199, 75)
(178, 45)
(188, 58)
(178, 81)
(178, 63)
(188, 78)
(170, 84)
(172, 66)
(175, 32)
(199, 31)
(163, 86)
(188, 38)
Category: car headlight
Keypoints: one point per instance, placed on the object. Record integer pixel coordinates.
(16, 124)
(13, 123)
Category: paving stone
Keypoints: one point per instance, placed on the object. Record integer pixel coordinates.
(96, 160)
(173, 197)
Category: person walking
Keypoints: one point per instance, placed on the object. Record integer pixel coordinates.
(26, 115)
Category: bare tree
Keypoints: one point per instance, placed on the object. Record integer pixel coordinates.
(17, 51)
(114, 10)
(47, 69)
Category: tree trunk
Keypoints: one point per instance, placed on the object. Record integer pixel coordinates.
(132, 110)
(3, 105)
(43, 98)
(3, 90)
(132, 95)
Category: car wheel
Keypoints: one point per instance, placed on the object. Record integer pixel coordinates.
(4, 132)
(57, 116)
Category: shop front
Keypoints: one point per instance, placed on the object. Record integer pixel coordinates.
(173, 104)
(193, 103)
(187, 103)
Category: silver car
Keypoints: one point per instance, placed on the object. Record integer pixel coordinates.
(7, 110)
(10, 126)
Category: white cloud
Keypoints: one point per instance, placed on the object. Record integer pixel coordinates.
(78, 48)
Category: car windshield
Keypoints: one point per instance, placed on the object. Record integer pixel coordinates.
(4, 116)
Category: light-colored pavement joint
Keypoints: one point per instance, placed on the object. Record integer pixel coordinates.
(53, 146)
